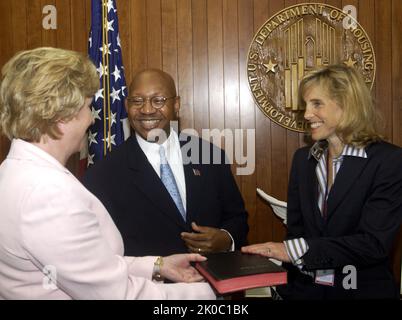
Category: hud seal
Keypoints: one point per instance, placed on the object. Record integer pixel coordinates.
(295, 41)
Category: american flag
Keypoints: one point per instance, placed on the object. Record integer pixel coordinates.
(111, 126)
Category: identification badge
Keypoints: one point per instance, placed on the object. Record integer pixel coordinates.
(325, 277)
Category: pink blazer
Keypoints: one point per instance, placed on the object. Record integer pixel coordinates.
(52, 227)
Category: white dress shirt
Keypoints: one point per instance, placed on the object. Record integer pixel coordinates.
(173, 155)
(175, 159)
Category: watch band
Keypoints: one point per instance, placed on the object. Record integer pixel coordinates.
(156, 273)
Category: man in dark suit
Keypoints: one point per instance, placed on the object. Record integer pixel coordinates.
(165, 193)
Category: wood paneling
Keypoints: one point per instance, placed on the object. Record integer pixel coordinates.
(185, 83)
(153, 33)
(247, 110)
(261, 229)
(200, 64)
(169, 37)
(215, 69)
(382, 44)
(203, 44)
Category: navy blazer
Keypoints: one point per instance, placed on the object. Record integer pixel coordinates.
(143, 210)
(364, 215)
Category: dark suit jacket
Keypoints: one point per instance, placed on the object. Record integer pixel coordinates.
(143, 210)
(364, 214)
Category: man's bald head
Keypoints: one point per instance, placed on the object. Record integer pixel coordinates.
(154, 76)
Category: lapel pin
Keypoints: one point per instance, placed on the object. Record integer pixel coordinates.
(197, 172)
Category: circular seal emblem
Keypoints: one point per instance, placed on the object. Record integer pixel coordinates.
(295, 41)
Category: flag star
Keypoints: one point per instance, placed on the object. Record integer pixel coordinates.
(110, 6)
(90, 159)
(118, 40)
(116, 73)
(102, 70)
(115, 95)
(105, 47)
(123, 91)
(110, 140)
(95, 113)
(113, 118)
(109, 25)
(92, 138)
(90, 41)
(99, 94)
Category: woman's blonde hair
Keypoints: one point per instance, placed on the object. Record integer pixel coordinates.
(359, 122)
(42, 86)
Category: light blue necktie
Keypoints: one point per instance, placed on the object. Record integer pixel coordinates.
(169, 181)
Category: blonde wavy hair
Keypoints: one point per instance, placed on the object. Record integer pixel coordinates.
(360, 120)
(42, 86)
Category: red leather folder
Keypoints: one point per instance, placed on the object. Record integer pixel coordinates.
(236, 271)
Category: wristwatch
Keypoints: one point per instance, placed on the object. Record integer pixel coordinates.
(156, 273)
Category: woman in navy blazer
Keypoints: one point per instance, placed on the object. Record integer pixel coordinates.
(344, 197)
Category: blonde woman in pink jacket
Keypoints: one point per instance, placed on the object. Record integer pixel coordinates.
(57, 240)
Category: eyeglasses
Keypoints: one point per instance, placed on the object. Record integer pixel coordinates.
(157, 102)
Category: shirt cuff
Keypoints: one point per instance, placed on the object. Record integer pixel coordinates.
(232, 247)
(296, 249)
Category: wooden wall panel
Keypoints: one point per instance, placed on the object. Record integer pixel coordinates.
(247, 110)
(204, 45)
(138, 36)
(215, 65)
(64, 39)
(19, 25)
(382, 48)
(279, 173)
(125, 20)
(154, 33)
(264, 217)
(200, 64)
(79, 39)
(231, 73)
(185, 83)
(169, 37)
(34, 24)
